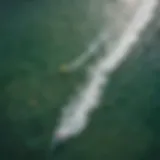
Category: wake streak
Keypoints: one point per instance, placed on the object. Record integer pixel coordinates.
(93, 48)
(75, 116)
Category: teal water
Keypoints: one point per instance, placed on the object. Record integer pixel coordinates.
(36, 38)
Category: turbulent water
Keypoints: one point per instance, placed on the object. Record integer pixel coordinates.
(75, 115)
(121, 81)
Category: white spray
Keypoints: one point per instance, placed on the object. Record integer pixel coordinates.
(76, 114)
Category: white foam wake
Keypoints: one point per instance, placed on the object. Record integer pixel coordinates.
(102, 37)
(86, 55)
(76, 114)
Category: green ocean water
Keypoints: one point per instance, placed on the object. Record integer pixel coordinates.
(36, 38)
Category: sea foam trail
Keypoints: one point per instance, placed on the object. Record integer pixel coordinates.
(86, 55)
(99, 41)
(76, 114)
